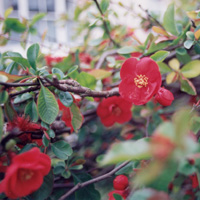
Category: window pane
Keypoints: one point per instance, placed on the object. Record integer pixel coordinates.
(50, 5)
(33, 5)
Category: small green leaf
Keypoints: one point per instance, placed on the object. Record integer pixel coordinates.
(169, 21)
(1, 123)
(58, 71)
(128, 150)
(10, 67)
(3, 96)
(77, 119)
(61, 149)
(160, 56)
(31, 111)
(36, 18)
(87, 80)
(95, 42)
(72, 70)
(104, 5)
(143, 194)
(8, 12)
(191, 69)
(21, 61)
(45, 141)
(32, 54)
(185, 168)
(66, 98)
(47, 105)
(187, 86)
(51, 133)
(188, 44)
(126, 50)
(117, 197)
(190, 35)
(164, 68)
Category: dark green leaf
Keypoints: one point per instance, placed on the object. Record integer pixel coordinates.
(117, 197)
(187, 86)
(66, 98)
(45, 141)
(21, 61)
(3, 96)
(51, 133)
(61, 149)
(14, 25)
(87, 193)
(10, 67)
(160, 56)
(32, 54)
(31, 111)
(47, 105)
(87, 80)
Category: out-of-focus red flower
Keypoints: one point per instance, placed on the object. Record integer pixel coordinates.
(66, 115)
(25, 174)
(122, 193)
(23, 124)
(140, 80)
(50, 60)
(120, 182)
(136, 54)
(114, 109)
(128, 136)
(85, 58)
(195, 182)
(161, 146)
(164, 97)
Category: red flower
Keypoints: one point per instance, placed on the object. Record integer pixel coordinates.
(140, 80)
(85, 58)
(25, 174)
(164, 97)
(114, 109)
(23, 124)
(51, 60)
(120, 182)
(122, 193)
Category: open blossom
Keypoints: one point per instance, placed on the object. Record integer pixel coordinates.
(141, 80)
(50, 60)
(164, 97)
(114, 109)
(25, 174)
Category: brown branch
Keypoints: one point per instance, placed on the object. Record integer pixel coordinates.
(105, 24)
(94, 180)
(17, 84)
(31, 89)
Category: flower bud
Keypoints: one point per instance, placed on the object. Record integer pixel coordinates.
(164, 97)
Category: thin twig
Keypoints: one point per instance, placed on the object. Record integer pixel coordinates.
(94, 180)
(105, 24)
(17, 84)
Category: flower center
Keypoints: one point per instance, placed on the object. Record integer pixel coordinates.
(115, 110)
(25, 174)
(141, 81)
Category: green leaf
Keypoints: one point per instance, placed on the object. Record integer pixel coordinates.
(104, 5)
(21, 61)
(58, 71)
(191, 69)
(77, 119)
(95, 42)
(128, 150)
(10, 67)
(87, 80)
(188, 44)
(32, 54)
(66, 98)
(143, 194)
(45, 141)
(182, 55)
(87, 193)
(160, 55)
(100, 74)
(36, 18)
(31, 111)
(9, 110)
(45, 190)
(164, 68)
(72, 70)
(51, 133)
(1, 123)
(126, 50)
(169, 21)
(47, 105)
(117, 197)
(3, 96)
(14, 25)
(187, 86)
(61, 149)
(185, 168)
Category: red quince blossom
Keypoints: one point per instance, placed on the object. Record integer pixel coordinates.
(25, 174)
(164, 97)
(141, 80)
(114, 109)
(85, 58)
(122, 193)
(23, 124)
(120, 182)
(50, 60)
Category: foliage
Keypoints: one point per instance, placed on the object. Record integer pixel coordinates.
(114, 106)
